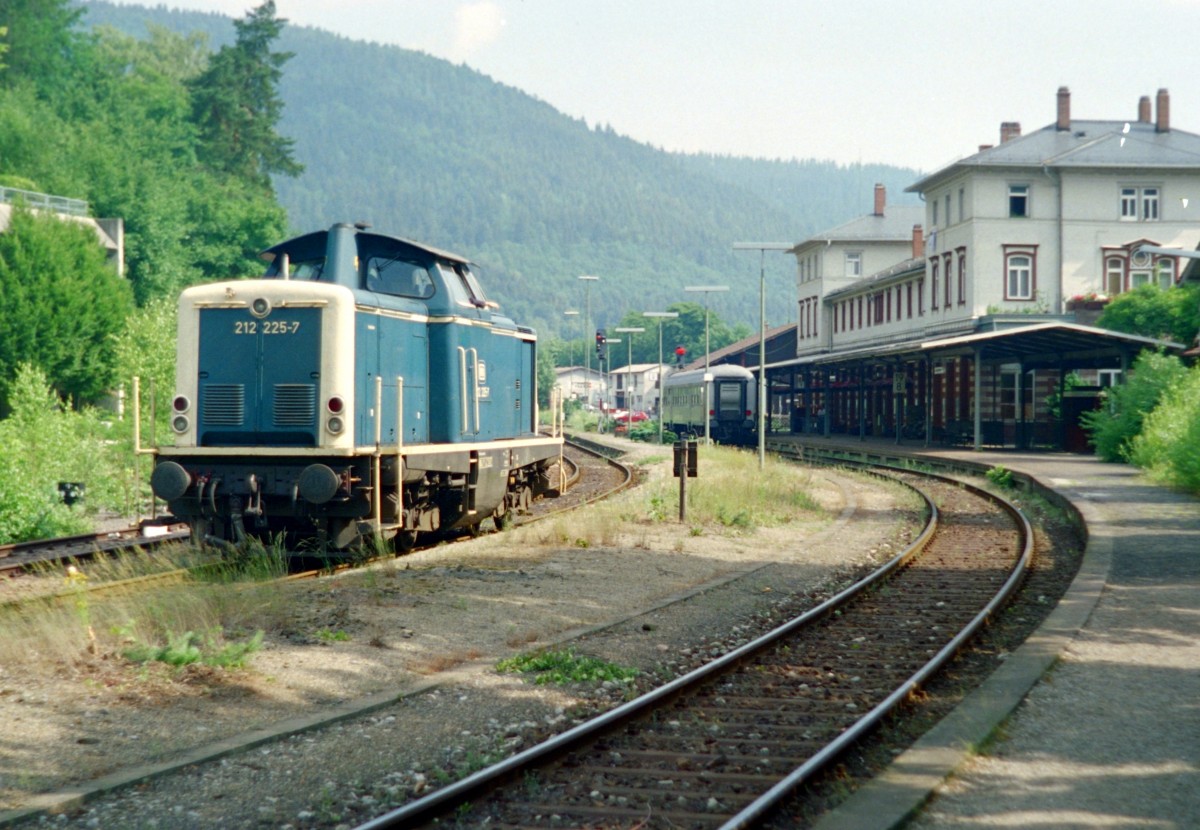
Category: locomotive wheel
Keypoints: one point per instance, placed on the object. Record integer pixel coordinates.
(404, 540)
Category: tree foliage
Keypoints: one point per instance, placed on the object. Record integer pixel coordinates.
(42, 442)
(237, 107)
(42, 43)
(62, 304)
(1114, 427)
(122, 137)
(1150, 311)
(1166, 446)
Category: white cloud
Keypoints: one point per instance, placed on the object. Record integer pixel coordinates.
(476, 25)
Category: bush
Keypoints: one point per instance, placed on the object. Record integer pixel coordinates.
(42, 443)
(1113, 428)
(1169, 444)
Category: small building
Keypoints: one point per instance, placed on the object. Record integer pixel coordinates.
(579, 384)
(635, 386)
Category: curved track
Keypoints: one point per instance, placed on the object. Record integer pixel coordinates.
(727, 744)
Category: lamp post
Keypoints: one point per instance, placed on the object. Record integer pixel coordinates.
(607, 375)
(587, 325)
(660, 316)
(571, 355)
(706, 290)
(762, 248)
(631, 331)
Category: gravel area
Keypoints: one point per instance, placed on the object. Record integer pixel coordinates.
(424, 629)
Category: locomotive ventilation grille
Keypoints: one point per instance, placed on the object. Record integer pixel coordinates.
(295, 404)
(224, 404)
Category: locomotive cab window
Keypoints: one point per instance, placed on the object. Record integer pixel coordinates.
(397, 277)
(299, 269)
(463, 285)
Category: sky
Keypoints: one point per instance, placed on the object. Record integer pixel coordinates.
(916, 84)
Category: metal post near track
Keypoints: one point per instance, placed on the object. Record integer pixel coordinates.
(660, 316)
(762, 248)
(686, 466)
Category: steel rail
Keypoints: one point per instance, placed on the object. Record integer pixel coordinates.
(765, 804)
(489, 778)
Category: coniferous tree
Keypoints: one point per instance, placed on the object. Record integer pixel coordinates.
(236, 104)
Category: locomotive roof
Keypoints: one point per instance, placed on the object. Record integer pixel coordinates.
(317, 239)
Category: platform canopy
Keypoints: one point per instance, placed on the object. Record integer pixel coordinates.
(1036, 346)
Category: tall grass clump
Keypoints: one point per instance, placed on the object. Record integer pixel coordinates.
(730, 490)
(1114, 427)
(1168, 447)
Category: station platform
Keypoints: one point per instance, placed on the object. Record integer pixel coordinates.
(1095, 721)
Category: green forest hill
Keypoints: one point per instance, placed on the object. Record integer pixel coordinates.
(441, 153)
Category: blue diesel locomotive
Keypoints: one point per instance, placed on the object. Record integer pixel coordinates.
(364, 386)
(729, 406)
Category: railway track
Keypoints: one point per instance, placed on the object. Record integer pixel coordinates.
(18, 557)
(728, 744)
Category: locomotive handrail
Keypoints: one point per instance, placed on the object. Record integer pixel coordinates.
(462, 379)
(475, 384)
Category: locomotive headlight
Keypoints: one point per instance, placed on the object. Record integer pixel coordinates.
(180, 423)
(181, 404)
(261, 307)
(335, 425)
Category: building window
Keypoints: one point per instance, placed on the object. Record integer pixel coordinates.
(854, 263)
(910, 300)
(933, 206)
(921, 298)
(962, 277)
(1019, 276)
(948, 214)
(1165, 271)
(962, 199)
(1008, 396)
(1018, 200)
(1109, 377)
(949, 278)
(933, 284)
(1139, 204)
(1114, 276)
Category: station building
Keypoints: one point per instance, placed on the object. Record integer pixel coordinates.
(967, 320)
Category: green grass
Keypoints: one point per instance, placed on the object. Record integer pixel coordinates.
(561, 667)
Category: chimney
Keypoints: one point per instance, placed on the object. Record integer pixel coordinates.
(1009, 130)
(880, 199)
(1064, 109)
(1144, 109)
(918, 242)
(1163, 122)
